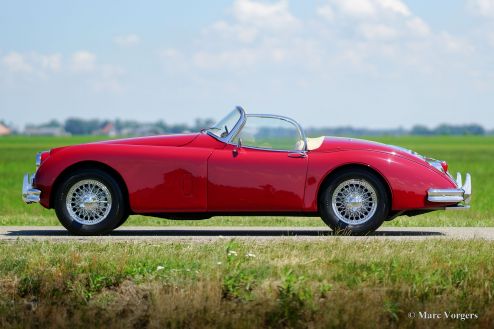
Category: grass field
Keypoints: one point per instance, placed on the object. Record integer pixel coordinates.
(283, 283)
(238, 284)
(472, 154)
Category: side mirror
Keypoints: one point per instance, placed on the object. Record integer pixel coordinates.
(239, 146)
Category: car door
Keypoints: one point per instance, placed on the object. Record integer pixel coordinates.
(263, 169)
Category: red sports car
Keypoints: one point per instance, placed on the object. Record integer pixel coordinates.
(247, 164)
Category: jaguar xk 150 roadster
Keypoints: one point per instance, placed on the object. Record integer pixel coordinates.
(246, 164)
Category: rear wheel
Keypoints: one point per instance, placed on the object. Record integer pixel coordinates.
(354, 202)
(90, 202)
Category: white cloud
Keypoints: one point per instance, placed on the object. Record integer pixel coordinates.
(482, 7)
(51, 62)
(378, 32)
(326, 11)
(252, 18)
(170, 53)
(374, 20)
(418, 27)
(395, 6)
(365, 8)
(234, 58)
(357, 8)
(345, 36)
(455, 44)
(16, 62)
(33, 62)
(128, 40)
(273, 15)
(109, 79)
(241, 32)
(83, 61)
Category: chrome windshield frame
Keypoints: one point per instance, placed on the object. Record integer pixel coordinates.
(272, 116)
(240, 123)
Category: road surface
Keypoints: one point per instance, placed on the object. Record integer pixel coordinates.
(205, 234)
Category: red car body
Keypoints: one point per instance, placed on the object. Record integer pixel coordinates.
(197, 173)
(199, 176)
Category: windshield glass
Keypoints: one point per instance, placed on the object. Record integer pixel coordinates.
(223, 127)
(270, 133)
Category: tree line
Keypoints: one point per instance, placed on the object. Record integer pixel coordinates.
(78, 126)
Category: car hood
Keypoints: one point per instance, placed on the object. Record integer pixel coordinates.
(160, 140)
(333, 144)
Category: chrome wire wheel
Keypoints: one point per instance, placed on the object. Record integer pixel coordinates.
(88, 202)
(354, 201)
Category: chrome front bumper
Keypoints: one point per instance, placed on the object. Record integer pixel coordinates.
(29, 194)
(460, 195)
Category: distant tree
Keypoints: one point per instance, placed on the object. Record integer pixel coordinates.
(420, 130)
(472, 129)
(162, 126)
(77, 126)
(178, 128)
(203, 123)
(51, 124)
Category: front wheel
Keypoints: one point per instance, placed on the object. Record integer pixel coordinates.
(354, 202)
(89, 202)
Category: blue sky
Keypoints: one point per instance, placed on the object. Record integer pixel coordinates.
(364, 63)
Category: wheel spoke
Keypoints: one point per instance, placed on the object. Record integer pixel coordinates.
(354, 201)
(88, 201)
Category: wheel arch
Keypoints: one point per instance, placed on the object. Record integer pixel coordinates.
(348, 167)
(91, 165)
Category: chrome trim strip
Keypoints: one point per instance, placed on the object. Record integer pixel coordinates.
(462, 193)
(467, 187)
(458, 207)
(38, 160)
(452, 195)
(459, 182)
(30, 194)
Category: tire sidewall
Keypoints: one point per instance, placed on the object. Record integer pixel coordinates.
(113, 218)
(329, 217)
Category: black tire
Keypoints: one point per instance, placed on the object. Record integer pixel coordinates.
(123, 220)
(375, 216)
(108, 222)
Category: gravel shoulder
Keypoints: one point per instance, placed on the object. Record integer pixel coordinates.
(205, 234)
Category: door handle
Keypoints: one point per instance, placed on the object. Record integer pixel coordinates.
(297, 155)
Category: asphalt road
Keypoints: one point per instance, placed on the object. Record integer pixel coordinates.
(205, 234)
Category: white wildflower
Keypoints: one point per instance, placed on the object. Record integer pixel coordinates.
(232, 253)
(219, 263)
(159, 268)
(250, 255)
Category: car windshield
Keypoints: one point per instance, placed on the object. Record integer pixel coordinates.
(223, 127)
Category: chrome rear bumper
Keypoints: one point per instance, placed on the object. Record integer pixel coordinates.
(460, 195)
(29, 194)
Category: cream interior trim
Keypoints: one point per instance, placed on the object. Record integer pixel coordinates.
(314, 143)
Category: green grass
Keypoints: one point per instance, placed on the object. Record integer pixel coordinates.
(245, 284)
(468, 153)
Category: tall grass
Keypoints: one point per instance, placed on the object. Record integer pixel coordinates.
(244, 284)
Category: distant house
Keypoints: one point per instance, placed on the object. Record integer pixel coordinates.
(4, 130)
(107, 130)
(144, 129)
(45, 131)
